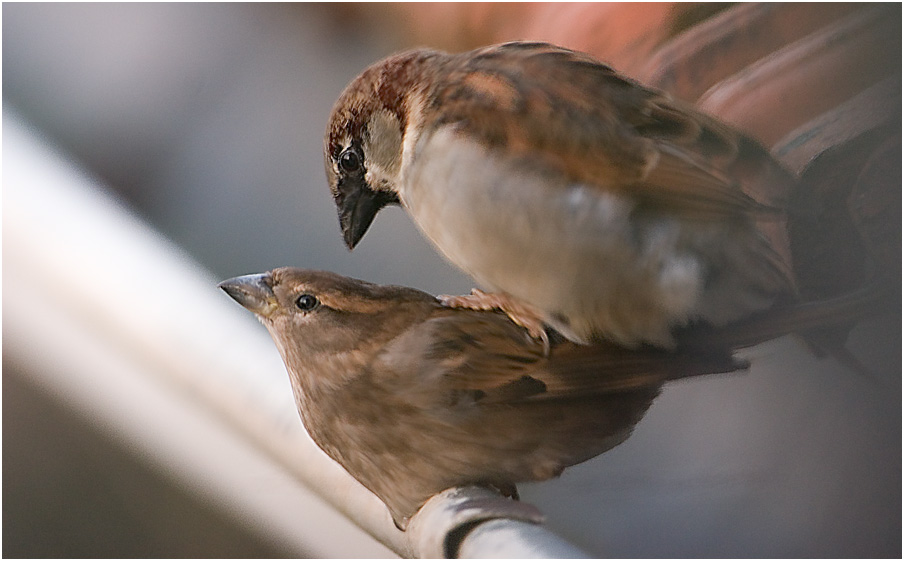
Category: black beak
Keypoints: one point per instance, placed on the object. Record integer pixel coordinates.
(358, 205)
(251, 291)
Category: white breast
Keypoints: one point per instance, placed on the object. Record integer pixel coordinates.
(579, 253)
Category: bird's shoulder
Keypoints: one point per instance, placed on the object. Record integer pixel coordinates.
(564, 110)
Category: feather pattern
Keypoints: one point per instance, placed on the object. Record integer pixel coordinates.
(595, 126)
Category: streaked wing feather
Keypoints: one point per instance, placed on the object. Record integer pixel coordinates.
(485, 355)
(567, 111)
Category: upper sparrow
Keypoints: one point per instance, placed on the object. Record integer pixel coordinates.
(615, 211)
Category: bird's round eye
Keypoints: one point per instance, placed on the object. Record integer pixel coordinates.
(306, 302)
(350, 161)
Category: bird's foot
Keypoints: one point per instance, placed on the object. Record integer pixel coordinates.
(522, 314)
(508, 490)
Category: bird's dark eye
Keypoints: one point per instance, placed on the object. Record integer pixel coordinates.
(350, 160)
(306, 302)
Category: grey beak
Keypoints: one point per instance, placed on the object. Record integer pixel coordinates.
(251, 291)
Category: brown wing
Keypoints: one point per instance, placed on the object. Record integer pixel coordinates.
(565, 110)
(468, 357)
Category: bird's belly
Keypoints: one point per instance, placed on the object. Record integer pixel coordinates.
(580, 254)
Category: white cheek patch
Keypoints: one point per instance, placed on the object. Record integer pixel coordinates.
(383, 148)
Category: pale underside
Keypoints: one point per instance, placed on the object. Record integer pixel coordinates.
(587, 257)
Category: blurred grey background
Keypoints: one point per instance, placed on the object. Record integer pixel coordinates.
(207, 119)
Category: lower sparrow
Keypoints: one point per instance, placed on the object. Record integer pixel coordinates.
(412, 397)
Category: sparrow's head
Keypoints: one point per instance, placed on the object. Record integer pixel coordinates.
(315, 314)
(365, 138)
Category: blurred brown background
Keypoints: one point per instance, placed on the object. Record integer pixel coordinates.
(207, 119)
